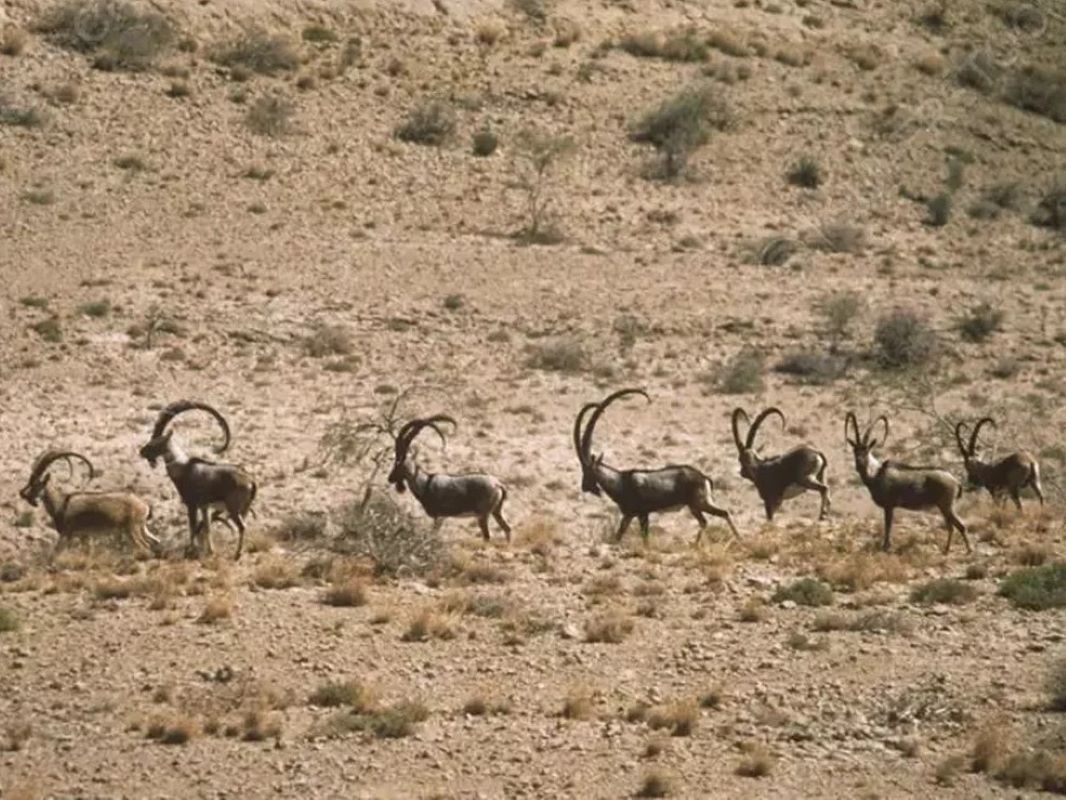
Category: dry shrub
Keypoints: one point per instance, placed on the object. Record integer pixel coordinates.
(728, 42)
(539, 536)
(275, 572)
(258, 51)
(173, 728)
(113, 589)
(15, 735)
(805, 592)
(270, 115)
(770, 251)
(12, 41)
(679, 717)
(567, 32)
(680, 125)
(656, 783)
(429, 624)
(713, 698)
(754, 610)
(431, 122)
(860, 571)
(117, 34)
(1039, 89)
(943, 591)
(1055, 684)
(682, 44)
(837, 237)
(562, 354)
(610, 627)
(352, 694)
(346, 593)
(577, 704)
(876, 620)
(395, 541)
(489, 31)
(991, 748)
(758, 763)
(216, 609)
(1050, 211)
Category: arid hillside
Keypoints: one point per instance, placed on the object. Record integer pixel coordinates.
(325, 218)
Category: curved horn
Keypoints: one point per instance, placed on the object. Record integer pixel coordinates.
(977, 430)
(410, 431)
(867, 438)
(851, 423)
(737, 414)
(586, 438)
(51, 456)
(754, 429)
(585, 409)
(958, 438)
(181, 406)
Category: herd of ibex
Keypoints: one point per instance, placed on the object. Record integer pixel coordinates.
(225, 492)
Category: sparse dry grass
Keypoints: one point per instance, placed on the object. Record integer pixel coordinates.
(276, 572)
(679, 717)
(758, 763)
(173, 728)
(257, 50)
(578, 704)
(216, 609)
(862, 570)
(347, 592)
(657, 783)
(353, 694)
(429, 624)
(610, 627)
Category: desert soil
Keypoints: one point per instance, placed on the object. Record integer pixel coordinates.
(401, 256)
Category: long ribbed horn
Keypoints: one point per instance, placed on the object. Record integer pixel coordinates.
(959, 428)
(180, 407)
(852, 423)
(585, 409)
(867, 438)
(977, 430)
(754, 429)
(48, 458)
(410, 431)
(586, 438)
(737, 414)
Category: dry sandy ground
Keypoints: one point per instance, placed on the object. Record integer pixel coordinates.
(356, 229)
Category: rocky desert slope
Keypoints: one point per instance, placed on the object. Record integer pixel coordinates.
(301, 212)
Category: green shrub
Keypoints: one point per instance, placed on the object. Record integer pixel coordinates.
(805, 592)
(431, 122)
(680, 125)
(903, 339)
(939, 210)
(484, 142)
(345, 693)
(943, 591)
(97, 309)
(1036, 588)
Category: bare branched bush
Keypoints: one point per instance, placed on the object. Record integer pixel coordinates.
(839, 310)
(115, 33)
(742, 374)
(538, 157)
(903, 339)
(980, 322)
(382, 530)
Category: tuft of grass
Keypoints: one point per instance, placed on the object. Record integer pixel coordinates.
(610, 627)
(270, 115)
(938, 210)
(838, 237)
(656, 783)
(13, 41)
(348, 593)
(1038, 89)
(38, 196)
(302, 526)
(1036, 588)
(33, 301)
(812, 367)
(562, 354)
(805, 173)
(680, 125)
(680, 717)
(256, 50)
(117, 34)
(805, 592)
(396, 721)
(943, 591)
(682, 45)
(758, 763)
(276, 573)
(20, 117)
(903, 339)
(329, 340)
(713, 698)
(216, 609)
(431, 122)
(351, 693)
(980, 322)
(319, 34)
(1050, 211)
(97, 309)
(577, 705)
(173, 729)
(741, 374)
(1055, 685)
(429, 624)
(484, 142)
(130, 163)
(9, 621)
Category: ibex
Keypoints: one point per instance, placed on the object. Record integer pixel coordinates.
(441, 495)
(204, 486)
(639, 493)
(1008, 475)
(81, 513)
(893, 485)
(780, 478)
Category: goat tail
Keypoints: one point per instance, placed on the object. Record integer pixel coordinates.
(251, 500)
(503, 496)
